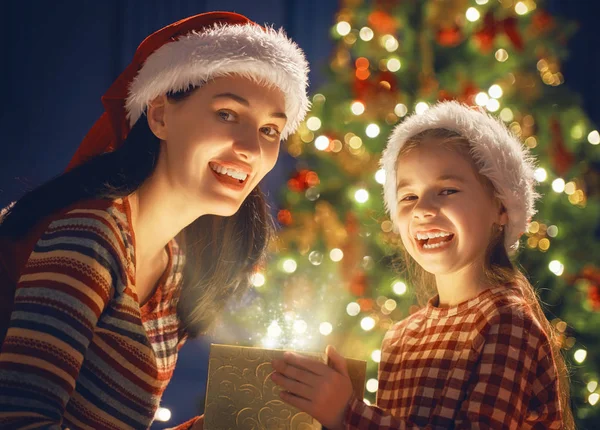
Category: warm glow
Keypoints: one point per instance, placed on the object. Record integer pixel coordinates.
(540, 174)
(481, 99)
(594, 137)
(353, 309)
(521, 8)
(361, 196)
(393, 64)
(162, 414)
(372, 385)
(556, 267)
(376, 356)
(495, 91)
(357, 108)
(472, 14)
(313, 123)
(367, 323)
(399, 287)
(300, 326)
(366, 34)
(380, 176)
(343, 28)
(580, 355)
(372, 130)
(322, 143)
(325, 328)
(558, 185)
(492, 105)
(336, 254)
(257, 279)
(290, 265)
(421, 107)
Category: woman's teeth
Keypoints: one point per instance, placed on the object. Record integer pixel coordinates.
(236, 174)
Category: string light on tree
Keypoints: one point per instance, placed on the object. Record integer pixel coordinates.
(482, 98)
(481, 2)
(289, 265)
(594, 137)
(540, 174)
(592, 385)
(361, 195)
(366, 34)
(322, 143)
(421, 107)
(367, 323)
(380, 176)
(399, 288)
(393, 64)
(506, 115)
(257, 280)
(580, 355)
(357, 108)
(501, 55)
(343, 28)
(390, 43)
(556, 267)
(336, 254)
(558, 185)
(372, 130)
(495, 91)
(313, 123)
(593, 398)
(376, 356)
(492, 105)
(372, 385)
(400, 110)
(353, 309)
(472, 14)
(521, 8)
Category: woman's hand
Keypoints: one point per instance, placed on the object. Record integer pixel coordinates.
(314, 387)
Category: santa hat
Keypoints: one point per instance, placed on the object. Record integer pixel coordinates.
(497, 153)
(189, 53)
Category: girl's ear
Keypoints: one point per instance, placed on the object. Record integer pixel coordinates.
(503, 215)
(156, 117)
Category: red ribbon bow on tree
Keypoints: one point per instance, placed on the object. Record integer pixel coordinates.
(492, 27)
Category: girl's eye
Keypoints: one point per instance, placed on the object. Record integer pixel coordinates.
(226, 115)
(270, 131)
(408, 198)
(448, 191)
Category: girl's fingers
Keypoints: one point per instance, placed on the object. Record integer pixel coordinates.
(292, 372)
(298, 402)
(293, 386)
(311, 364)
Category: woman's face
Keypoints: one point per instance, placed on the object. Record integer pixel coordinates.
(219, 142)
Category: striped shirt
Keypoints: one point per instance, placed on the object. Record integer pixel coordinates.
(483, 364)
(79, 350)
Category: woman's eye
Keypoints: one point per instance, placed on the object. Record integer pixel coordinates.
(270, 131)
(449, 191)
(226, 115)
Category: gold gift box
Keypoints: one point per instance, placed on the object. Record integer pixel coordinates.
(241, 395)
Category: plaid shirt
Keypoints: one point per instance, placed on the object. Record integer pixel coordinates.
(483, 364)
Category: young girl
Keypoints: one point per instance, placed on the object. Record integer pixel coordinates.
(105, 270)
(480, 354)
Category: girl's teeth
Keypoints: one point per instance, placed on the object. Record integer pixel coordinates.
(425, 236)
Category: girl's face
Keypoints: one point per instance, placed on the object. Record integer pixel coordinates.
(219, 142)
(445, 214)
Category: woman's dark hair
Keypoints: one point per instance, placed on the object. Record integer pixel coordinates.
(220, 252)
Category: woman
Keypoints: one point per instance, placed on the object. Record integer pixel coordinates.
(108, 268)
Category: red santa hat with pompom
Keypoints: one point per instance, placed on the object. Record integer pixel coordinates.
(497, 153)
(188, 53)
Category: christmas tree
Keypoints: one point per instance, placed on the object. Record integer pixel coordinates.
(330, 278)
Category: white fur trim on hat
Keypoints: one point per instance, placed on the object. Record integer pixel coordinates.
(496, 151)
(262, 54)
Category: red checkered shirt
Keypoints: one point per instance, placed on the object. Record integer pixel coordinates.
(483, 364)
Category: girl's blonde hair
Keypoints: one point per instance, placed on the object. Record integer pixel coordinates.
(498, 269)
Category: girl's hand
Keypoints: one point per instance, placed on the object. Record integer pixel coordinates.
(315, 388)
(199, 424)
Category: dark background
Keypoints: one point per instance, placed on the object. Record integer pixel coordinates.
(57, 58)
